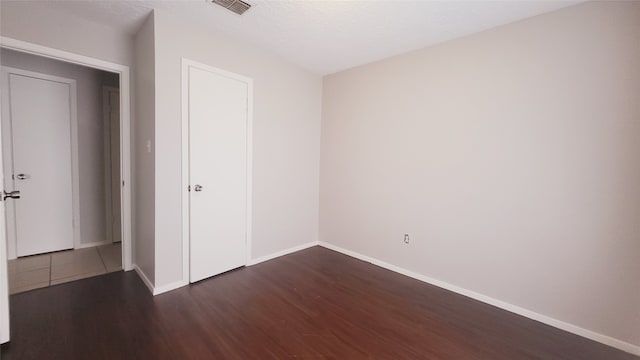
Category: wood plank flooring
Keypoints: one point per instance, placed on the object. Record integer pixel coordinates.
(314, 304)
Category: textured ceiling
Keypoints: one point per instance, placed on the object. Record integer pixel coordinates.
(324, 36)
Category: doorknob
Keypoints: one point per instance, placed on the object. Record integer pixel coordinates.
(11, 194)
(197, 188)
(23, 176)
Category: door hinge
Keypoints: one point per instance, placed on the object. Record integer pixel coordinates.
(122, 183)
(189, 188)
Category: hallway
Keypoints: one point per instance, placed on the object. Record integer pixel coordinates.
(38, 271)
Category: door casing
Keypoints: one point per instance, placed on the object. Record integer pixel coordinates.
(4, 271)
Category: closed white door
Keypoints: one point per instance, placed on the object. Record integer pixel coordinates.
(218, 130)
(38, 162)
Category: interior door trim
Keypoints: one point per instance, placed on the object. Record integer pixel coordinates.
(186, 65)
(8, 142)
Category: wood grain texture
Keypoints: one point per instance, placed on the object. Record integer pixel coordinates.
(314, 304)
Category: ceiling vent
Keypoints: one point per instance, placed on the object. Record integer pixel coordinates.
(237, 6)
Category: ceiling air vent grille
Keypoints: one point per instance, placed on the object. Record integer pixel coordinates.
(237, 6)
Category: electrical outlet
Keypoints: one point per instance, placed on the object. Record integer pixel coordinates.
(406, 238)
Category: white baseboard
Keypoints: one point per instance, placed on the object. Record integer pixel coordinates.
(93, 244)
(164, 288)
(282, 253)
(161, 289)
(604, 339)
(178, 284)
(144, 277)
(181, 283)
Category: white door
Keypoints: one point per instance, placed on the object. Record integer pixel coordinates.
(38, 161)
(218, 130)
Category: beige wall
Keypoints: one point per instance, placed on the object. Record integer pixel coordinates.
(286, 141)
(30, 21)
(143, 155)
(91, 165)
(511, 157)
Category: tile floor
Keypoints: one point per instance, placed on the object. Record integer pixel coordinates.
(39, 271)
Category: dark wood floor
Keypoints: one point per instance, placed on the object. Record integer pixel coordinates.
(314, 304)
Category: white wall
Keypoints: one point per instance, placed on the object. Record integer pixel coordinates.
(144, 156)
(511, 157)
(286, 134)
(91, 165)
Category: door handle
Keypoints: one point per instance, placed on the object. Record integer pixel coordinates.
(15, 194)
(197, 188)
(23, 176)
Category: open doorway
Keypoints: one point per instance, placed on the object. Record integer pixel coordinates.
(60, 124)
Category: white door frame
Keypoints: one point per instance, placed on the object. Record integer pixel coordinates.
(186, 64)
(4, 273)
(125, 126)
(75, 173)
